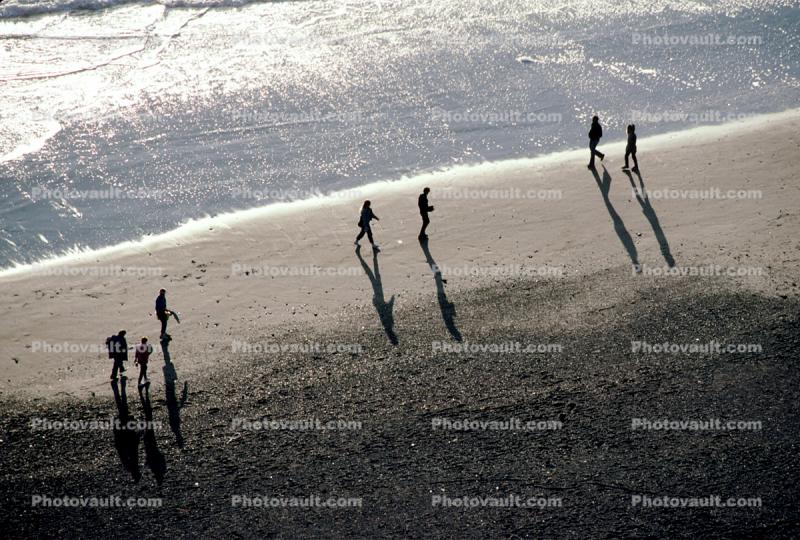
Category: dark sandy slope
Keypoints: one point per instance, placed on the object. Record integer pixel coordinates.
(396, 462)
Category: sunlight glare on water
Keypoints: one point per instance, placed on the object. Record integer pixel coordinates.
(194, 101)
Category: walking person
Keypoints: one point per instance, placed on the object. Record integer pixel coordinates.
(595, 134)
(367, 215)
(161, 311)
(424, 208)
(630, 149)
(143, 352)
(118, 351)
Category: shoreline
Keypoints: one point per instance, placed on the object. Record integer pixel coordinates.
(194, 229)
(312, 278)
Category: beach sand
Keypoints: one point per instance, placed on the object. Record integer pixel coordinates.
(590, 379)
(581, 233)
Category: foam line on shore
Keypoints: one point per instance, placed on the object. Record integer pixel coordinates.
(195, 229)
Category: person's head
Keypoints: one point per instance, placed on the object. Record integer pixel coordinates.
(633, 128)
(162, 292)
(144, 340)
(122, 333)
(366, 204)
(426, 190)
(595, 119)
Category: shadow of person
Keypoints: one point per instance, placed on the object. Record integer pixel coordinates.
(383, 307)
(650, 214)
(154, 459)
(126, 436)
(173, 405)
(447, 307)
(619, 225)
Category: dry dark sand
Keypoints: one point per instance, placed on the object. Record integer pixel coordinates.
(396, 463)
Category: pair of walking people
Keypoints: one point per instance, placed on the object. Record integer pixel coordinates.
(596, 133)
(368, 215)
(118, 352)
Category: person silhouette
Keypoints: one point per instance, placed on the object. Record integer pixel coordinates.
(595, 134)
(424, 208)
(141, 357)
(161, 311)
(630, 149)
(118, 351)
(367, 215)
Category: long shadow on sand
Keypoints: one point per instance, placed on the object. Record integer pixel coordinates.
(383, 307)
(153, 457)
(619, 225)
(126, 436)
(650, 214)
(448, 308)
(173, 404)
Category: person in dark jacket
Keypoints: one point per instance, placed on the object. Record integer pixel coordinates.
(118, 351)
(161, 310)
(595, 134)
(424, 208)
(630, 149)
(367, 215)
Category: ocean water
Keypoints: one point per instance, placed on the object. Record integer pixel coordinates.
(123, 119)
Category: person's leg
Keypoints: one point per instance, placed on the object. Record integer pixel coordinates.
(635, 161)
(141, 373)
(163, 318)
(361, 234)
(425, 222)
(595, 152)
(627, 153)
(118, 368)
(369, 235)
